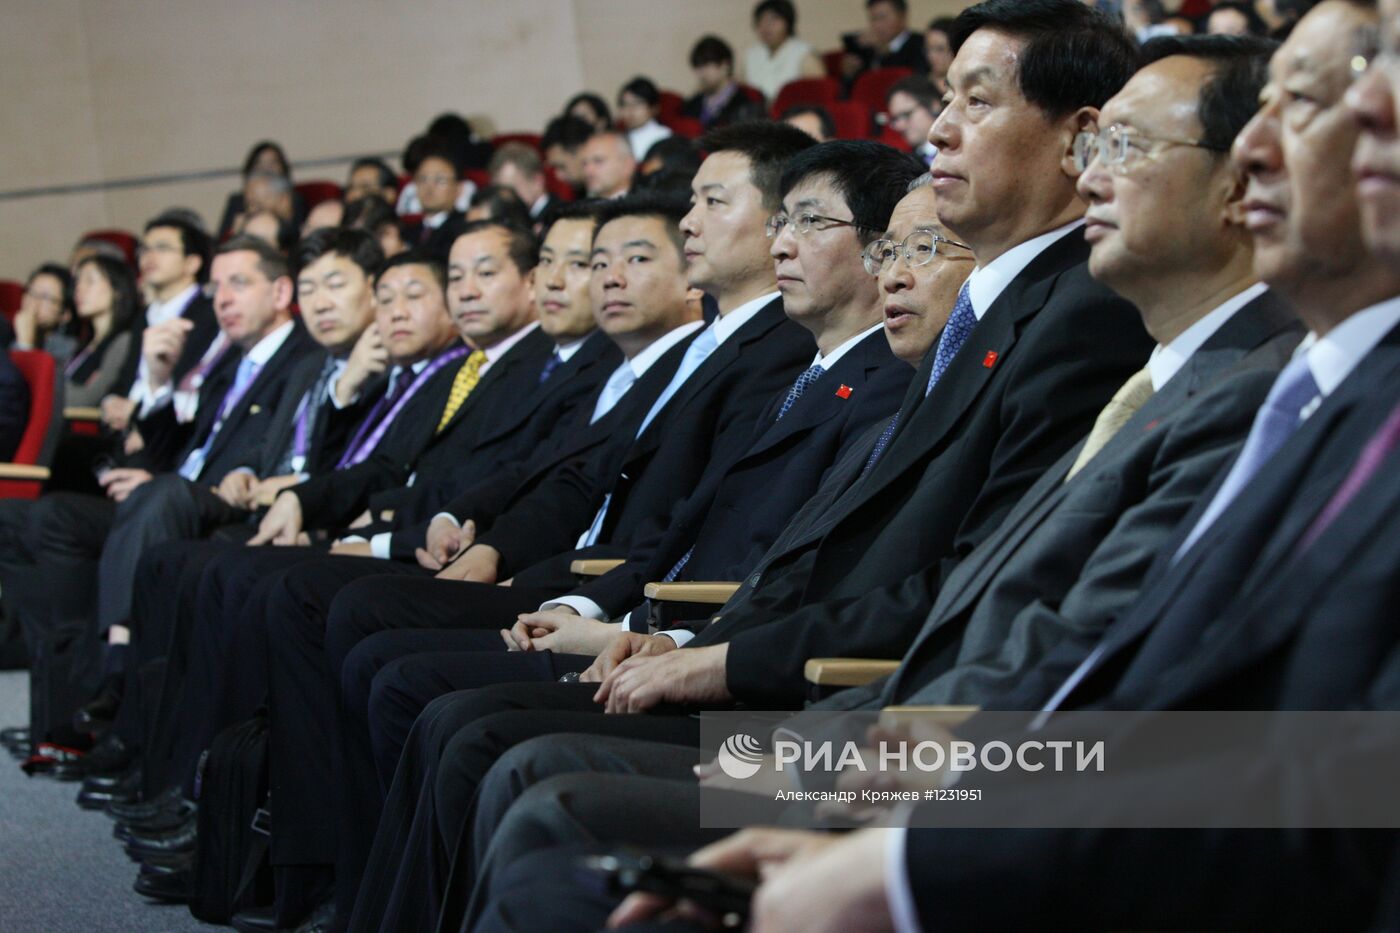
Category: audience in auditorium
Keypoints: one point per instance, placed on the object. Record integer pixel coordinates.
(265, 162)
(105, 300)
(591, 109)
(720, 100)
(371, 177)
(518, 167)
(638, 105)
(438, 184)
(779, 56)
(886, 42)
(912, 105)
(938, 49)
(562, 144)
(377, 217)
(812, 119)
(46, 320)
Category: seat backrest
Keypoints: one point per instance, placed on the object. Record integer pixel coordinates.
(670, 106)
(831, 61)
(41, 434)
(689, 127)
(852, 119)
(530, 139)
(122, 239)
(872, 86)
(805, 91)
(11, 297)
(751, 93)
(314, 192)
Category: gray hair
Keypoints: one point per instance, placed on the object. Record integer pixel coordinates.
(923, 181)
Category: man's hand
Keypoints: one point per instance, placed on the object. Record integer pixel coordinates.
(623, 646)
(445, 540)
(267, 490)
(694, 676)
(119, 482)
(559, 629)
(26, 324)
(117, 411)
(282, 523)
(750, 853)
(351, 549)
(369, 358)
(134, 443)
(479, 563)
(833, 885)
(161, 347)
(363, 520)
(237, 489)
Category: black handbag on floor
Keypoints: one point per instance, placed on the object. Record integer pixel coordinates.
(231, 868)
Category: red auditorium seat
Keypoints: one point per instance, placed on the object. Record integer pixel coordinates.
(122, 239)
(821, 91)
(890, 138)
(831, 61)
(689, 127)
(314, 192)
(852, 119)
(530, 139)
(11, 295)
(671, 104)
(872, 86)
(23, 478)
(558, 187)
(478, 176)
(751, 93)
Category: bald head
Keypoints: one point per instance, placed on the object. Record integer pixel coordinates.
(608, 165)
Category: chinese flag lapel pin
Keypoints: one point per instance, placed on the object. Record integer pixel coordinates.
(990, 359)
(844, 391)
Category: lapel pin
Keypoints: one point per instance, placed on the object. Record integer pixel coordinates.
(844, 391)
(254, 409)
(990, 359)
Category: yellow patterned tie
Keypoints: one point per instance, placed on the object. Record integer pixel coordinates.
(462, 384)
(1119, 410)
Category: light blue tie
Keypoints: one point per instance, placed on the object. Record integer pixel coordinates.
(1274, 424)
(955, 334)
(247, 372)
(809, 376)
(622, 379)
(698, 351)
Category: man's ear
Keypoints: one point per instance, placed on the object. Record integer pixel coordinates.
(1232, 211)
(283, 292)
(1085, 118)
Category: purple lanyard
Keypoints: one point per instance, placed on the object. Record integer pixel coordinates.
(361, 446)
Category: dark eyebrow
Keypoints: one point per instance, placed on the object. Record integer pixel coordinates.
(642, 244)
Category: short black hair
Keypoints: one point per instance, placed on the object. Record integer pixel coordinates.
(438, 147)
(569, 132)
(821, 113)
(669, 208)
(387, 178)
(557, 211)
(65, 282)
(521, 243)
(783, 9)
(641, 87)
(502, 203)
(372, 215)
(119, 276)
(943, 24)
(676, 153)
(871, 177)
(1074, 56)
(358, 246)
(1230, 96)
(711, 50)
(918, 87)
(768, 146)
(416, 257)
(271, 263)
(1254, 23)
(193, 240)
(900, 5)
(595, 101)
(258, 149)
(454, 128)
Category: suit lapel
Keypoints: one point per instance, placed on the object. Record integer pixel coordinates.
(499, 370)
(583, 358)
(253, 401)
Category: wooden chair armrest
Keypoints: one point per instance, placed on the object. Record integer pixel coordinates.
(846, 672)
(23, 471)
(949, 717)
(594, 568)
(710, 593)
(82, 413)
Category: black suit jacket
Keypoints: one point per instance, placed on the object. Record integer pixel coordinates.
(855, 573)
(739, 508)
(437, 242)
(414, 447)
(518, 432)
(911, 55)
(241, 438)
(1072, 556)
(333, 426)
(736, 110)
(710, 418)
(200, 311)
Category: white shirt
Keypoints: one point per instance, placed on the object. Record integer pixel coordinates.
(538, 207)
(769, 71)
(566, 351)
(1166, 361)
(898, 41)
(986, 283)
(644, 137)
(835, 356)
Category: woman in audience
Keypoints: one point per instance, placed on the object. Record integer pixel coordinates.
(779, 56)
(106, 298)
(638, 103)
(591, 109)
(266, 158)
(45, 320)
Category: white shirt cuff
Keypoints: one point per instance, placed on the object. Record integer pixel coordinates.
(678, 635)
(331, 386)
(580, 604)
(898, 892)
(379, 545)
(447, 515)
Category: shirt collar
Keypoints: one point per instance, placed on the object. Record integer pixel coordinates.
(267, 347)
(1332, 357)
(1166, 361)
(725, 325)
(986, 283)
(502, 347)
(566, 351)
(433, 221)
(540, 204)
(834, 356)
(658, 347)
(898, 41)
(165, 310)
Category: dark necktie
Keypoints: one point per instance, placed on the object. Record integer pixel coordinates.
(1377, 449)
(809, 376)
(550, 365)
(305, 424)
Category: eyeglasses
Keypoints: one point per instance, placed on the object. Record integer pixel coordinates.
(41, 297)
(1121, 148)
(918, 249)
(143, 248)
(434, 181)
(804, 223)
(1372, 46)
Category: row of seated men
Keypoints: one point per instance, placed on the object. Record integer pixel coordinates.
(1094, 415)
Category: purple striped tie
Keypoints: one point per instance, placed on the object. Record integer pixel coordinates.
(1372, 456)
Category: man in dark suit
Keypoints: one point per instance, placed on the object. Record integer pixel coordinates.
(438, 180)
(887, 43)
(518, 166)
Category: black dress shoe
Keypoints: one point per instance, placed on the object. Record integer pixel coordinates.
(256, 920)
(181, 862)
(180, 840)
(109, 758)
(176, 887)
(322, 920)
(20, 750)
(105, 781)
(127, 790)
(14, 735)
(165, 800)
(162, 822)
(133, 834)
(99, 713)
